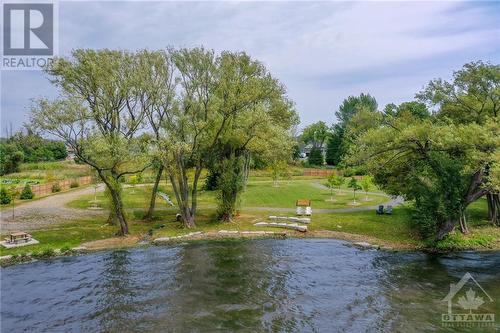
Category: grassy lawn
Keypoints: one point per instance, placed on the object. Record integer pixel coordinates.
(257, 194)
(390, 229)
(264, 194)
(72, 234)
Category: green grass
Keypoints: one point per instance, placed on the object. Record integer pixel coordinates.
(257, 194)
(264, 194)
(393, 229)
(49, 171)
(72, 234)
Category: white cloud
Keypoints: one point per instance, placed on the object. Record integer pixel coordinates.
(323, 51)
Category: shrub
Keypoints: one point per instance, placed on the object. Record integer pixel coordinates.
(65, 249)
(74, 184)
(315, 157)
(5, 197)
(47, 253)
(56, 188)
(27, 193)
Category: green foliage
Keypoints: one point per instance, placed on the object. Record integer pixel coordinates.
(56, 188)
(28, 148)
(334, 148)
(66, 249)
(315, 157)
(230, 185)
(356, 114)
(27, 193)
(455, 241)
(335, 180)
(212, 180)
(353, 183)
(415, 110)
(316, 134)
(366, 183)
(5, 196)
(10, 158)
(74, 184)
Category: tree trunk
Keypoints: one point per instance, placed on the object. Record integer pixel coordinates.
(445, 228)
(112, 216)
(152, 201)
(120, 214)
(181, 191)
(113, 185)
(493, 200)
(463, 223)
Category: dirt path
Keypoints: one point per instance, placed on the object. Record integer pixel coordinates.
(46, 211)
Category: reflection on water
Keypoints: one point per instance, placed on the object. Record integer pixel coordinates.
(262, 285)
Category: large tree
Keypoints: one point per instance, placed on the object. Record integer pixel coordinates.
(472, 96)
(436, 164)
(263, 116)
(159, 74)
(99, 115)
(342, 136)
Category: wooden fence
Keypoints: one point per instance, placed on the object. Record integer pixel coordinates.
(46, 189)
(319, 172)
(323, 173)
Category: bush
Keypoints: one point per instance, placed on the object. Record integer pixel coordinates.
(315, 157)
(74, 184)
(5, 197)
(56, 188)
(47, 253)
(27, 193)
(211, 182)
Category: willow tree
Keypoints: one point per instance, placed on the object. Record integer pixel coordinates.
(159, 75)
(99, 115)
(260, 116)
(191, 125)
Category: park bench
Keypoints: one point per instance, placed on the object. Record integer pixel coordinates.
(303, 207)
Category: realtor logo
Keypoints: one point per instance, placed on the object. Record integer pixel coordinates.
(29, 34)
(469, 296)
(28, 29)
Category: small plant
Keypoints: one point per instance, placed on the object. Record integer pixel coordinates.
(366, 184)
(353, 183)
(65, 249)
(5, 197)
(47, 253)
(27, 193)
(56, 188)
(74, 184)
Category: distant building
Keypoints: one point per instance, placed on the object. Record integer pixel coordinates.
(306, 150)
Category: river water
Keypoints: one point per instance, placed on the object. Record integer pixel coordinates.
(293, 285)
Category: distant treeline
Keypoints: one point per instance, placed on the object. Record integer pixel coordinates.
(28, 147)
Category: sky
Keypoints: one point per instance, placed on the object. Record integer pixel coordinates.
(322, 52)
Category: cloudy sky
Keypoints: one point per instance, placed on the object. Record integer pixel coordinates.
(322, 51)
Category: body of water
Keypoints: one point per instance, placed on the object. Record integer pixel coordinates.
(293, 285)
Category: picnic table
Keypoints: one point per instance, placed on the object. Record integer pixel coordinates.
(19, 236)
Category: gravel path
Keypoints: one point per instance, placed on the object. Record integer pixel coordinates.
(43, 212)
